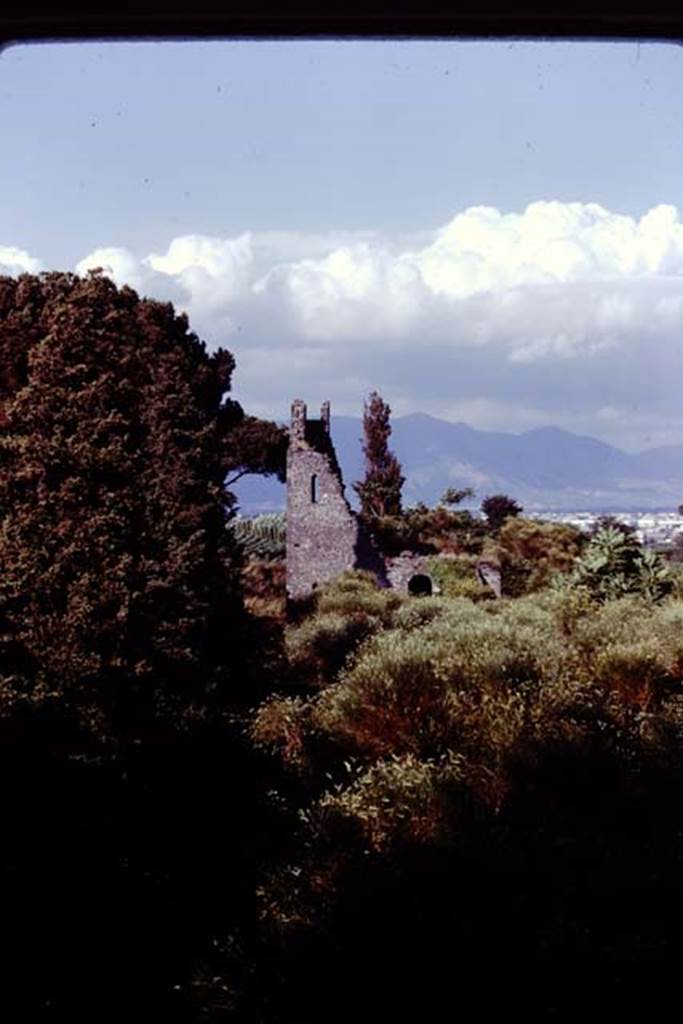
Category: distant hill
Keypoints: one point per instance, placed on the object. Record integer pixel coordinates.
(543, 469)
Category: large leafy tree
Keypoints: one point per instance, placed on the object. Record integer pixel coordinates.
(380, 490)
(119, 585)
(126, 659)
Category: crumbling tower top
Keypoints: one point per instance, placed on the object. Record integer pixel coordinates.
(298, 427)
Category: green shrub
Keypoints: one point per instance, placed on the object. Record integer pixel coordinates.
(449, 707)
(532, 552)
(400, 800)
(352, 581)
(637, 671)
(457, 577)
(413, 614)
(357, 593)
(279, 727)
(412, 690)
(321, 645)
(615, 564)
(676, 577)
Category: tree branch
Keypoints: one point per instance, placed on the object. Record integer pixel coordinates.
(236, 477)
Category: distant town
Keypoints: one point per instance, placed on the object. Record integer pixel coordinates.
(653, 529)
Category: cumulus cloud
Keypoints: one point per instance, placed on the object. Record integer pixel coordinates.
(118, 264)
(557, 280)
(213, 273)
(354, 292)
(15, 261)
(201, 262)
(568, 307)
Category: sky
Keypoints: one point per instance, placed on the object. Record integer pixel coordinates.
(486, 231)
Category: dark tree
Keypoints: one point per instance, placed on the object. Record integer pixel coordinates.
(380, 491)
(129, 827)
(499, 507)
(118, 576)
(256, 446)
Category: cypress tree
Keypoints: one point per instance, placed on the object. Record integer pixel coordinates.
(380, 491)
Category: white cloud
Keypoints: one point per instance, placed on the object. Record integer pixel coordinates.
(559, 280)
(15, 261)
(118, 264)
(527, 266)
(561, 297)
(198, 260)
(212, 275)
(356, 292)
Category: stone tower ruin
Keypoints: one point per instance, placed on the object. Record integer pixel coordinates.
(324, 535)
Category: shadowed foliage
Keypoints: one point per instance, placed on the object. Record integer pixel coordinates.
(125, 655)
(485, 791)
(498, 508)
(256, 446)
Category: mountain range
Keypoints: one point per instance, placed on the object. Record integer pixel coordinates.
(543, 469)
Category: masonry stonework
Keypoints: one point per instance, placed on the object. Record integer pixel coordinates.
(401, 569)
(324, 535)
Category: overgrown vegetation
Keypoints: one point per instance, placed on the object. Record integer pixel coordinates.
(392, 805)
(452, 757)
(615, 564)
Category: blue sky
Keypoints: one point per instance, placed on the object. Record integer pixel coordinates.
(486, 231)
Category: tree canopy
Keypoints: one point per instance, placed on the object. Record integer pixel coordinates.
(119, 578)
(255, 446)
(499, 507)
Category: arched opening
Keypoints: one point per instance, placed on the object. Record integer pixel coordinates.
(420, 585)
(314, 488)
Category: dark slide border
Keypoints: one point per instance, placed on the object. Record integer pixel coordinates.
(33, 21)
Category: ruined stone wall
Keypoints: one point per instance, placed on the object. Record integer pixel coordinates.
(323, 537)
(401, 568)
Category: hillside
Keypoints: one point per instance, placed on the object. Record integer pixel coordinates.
(546, 468)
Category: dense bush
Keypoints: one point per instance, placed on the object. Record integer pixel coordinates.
(532, 552)
(429, 530)
(319, 647)
(505, 751)
(456, 576)
(357, 592)
(347, 610)
(264, 583)
(615, 563)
